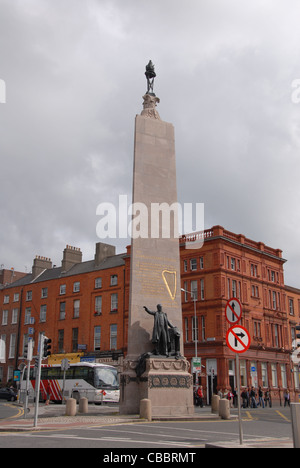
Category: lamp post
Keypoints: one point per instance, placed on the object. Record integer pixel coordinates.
(195, 318)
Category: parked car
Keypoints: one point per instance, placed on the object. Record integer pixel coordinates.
(8, 394)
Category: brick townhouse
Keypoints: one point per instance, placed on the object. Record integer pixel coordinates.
(83, 308)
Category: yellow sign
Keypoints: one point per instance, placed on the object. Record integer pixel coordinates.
(57, 358)
(169, 278)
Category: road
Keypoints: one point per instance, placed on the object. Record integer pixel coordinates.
(257, 424)
(10, 411)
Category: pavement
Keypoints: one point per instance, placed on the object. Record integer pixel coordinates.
(53, 417)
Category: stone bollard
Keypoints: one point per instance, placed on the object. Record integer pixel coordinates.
(215, 404)
(71, 407)
(295, 413)
(83, 405)
(146, 409)
(224, 408)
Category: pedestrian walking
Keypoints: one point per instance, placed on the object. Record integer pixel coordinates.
(260, 397)
(268, 398)
(252, 398)
(244, 398)
(230, 398)
(200, 396)
(287, 398)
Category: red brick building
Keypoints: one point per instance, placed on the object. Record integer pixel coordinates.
(83, 308)
(230, 265)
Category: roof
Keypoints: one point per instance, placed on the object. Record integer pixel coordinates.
(77, 269)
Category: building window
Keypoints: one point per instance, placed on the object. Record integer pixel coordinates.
(43, 313)
(14, 318)
(202, 290)
(194, 329)
(27, 316)
(61, 336)
(274, 375)
(98, 283)
(6, 300)
(233, 263)
(12, 346)
(257, 329)
(76, 286)
(62, 289)
(253, 270)
(74, 340)
(5, 317)
(16, 297)
(283, 376)
(98, 305)
(203, 328)
(44, 293)
(185, 266)
(193, 264)
(113, 336)
(97, 338)
(114, 302)
(243, 373)
(291, 307)
(194, 290)
(274, 300)
(28, 295)
(185, 287)
(114, 280)
(276, 336)
(264, 374)
(76, 308)
(201, 263)
(2, 347)
(186, 328)
(233, 288)
(62, 311)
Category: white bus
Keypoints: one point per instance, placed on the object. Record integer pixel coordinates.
(97, 382)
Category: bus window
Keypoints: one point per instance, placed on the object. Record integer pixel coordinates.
(84, 373)
(106, 377)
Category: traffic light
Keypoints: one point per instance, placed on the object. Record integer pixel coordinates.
(47, 347)
(28, 350)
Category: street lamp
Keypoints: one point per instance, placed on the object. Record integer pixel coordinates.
(193, 295)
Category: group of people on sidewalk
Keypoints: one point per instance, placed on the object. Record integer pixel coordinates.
(251, 397)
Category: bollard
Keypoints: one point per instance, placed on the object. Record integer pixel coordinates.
(83, 405)
(295, 412)
(146, 409)
(71, 407)
(215, 404)
(224, 408)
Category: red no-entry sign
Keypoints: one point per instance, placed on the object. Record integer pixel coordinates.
(233, 311)
(238, 339)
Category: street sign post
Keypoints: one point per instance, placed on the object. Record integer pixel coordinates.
(238, 340)
(233, 311)
(65, 365)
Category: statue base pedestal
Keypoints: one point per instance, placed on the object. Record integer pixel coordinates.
(166, 382)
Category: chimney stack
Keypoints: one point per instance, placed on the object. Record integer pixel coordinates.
(71, 256)
(103, 251)
(40, 264)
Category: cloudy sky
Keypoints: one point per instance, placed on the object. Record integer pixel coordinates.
(74, 75)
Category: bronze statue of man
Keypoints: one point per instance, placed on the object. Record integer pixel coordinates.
(161, 334)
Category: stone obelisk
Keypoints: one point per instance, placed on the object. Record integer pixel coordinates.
(154, 269)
